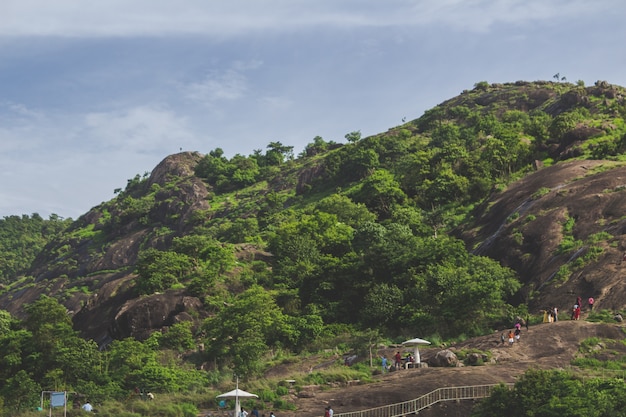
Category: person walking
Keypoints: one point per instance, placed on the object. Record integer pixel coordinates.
(591, 301)
(384, 366)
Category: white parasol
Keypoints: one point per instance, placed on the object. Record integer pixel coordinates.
(415, 343)
(237, 394)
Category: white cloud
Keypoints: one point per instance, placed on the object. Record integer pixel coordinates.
(67, 163)
(276, 103)
(142, 129)
(480, 15)
(236, 17)
(229, 84)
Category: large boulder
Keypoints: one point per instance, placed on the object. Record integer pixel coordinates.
(444, 358)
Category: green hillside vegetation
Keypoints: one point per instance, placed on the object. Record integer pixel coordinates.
(21, 239)
(342, 246)
(556, 393)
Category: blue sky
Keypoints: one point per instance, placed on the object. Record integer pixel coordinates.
(93, 93)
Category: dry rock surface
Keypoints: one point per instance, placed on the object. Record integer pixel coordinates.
(544, 346)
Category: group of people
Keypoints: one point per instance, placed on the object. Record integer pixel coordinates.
(398, 361)
(551, 314)
(576, 309)
(328, 411)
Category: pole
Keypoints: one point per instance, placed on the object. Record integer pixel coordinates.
(237, 407)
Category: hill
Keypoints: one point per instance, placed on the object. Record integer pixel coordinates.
(501, 202)
(559, 228)
(543, 346)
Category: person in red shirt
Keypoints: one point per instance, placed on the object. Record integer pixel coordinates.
(398, 360)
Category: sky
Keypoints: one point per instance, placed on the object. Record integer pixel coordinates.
(93, 93)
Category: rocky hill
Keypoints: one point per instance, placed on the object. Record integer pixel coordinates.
(560, 226)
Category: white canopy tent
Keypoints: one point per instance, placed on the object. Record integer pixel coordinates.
(237, 394)
(415, 343)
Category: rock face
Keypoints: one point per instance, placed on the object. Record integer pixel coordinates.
(138, 317)
(525, 226)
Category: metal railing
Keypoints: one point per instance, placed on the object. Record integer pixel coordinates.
(414, 406)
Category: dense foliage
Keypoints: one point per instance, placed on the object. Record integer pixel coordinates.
(43, 352)
(556, 393)
(21, 240)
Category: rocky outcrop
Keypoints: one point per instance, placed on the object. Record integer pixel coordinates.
(524, 228)
(443, 358)
(109, 308)
(139, 317)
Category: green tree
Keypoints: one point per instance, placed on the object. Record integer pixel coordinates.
(358, 163)
(21, 240)
(16, 346)
(49, 322)
(277, 153)
(353, 137)
(20, 392)
(127, 356)
(159, 270)
(241, 333)
(548, 393)
(566, 121)
(380, 192)
(346, 210)
(5, 321)
(179, 337)
(381, 304)
(468, 293)
(318, 146)
(204, 253)
(447, 187)
(77, 358)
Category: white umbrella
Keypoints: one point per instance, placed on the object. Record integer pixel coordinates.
(415, 343)
(237, 394)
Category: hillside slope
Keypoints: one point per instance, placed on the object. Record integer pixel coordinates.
(525, 228)
(543, 346)
(559, 227)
